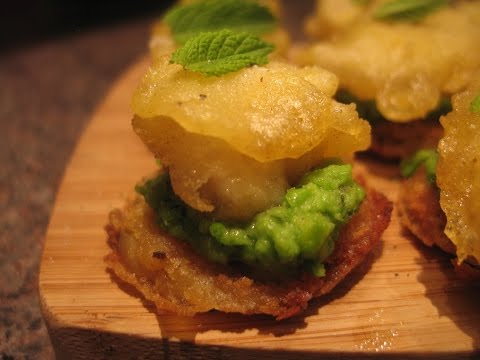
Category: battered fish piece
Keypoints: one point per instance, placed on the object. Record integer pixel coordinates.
(260, 128)
(331, 17)
(174, 277)
(406, 69)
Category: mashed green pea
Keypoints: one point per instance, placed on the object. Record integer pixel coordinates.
(425, 157)
(297, 234)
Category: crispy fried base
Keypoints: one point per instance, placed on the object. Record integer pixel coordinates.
(420, 212)
(170, 274)
(400, 140)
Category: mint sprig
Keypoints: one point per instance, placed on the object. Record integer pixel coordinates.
(186, 21)
(407, 10)
(221, 52)
(475, 104)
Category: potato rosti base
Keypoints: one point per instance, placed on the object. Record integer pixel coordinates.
(170, 274)
(420, 212)
(400, 140)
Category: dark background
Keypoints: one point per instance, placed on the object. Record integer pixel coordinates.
(58, 60)
(23, 22)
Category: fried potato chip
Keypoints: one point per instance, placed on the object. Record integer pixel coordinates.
(458, 174)
(273, 5)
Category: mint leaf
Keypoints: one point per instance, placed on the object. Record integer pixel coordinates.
(221, 52)
(361, 2)
(475, 104)
(407, 10)
(426, 157)
(186, 21)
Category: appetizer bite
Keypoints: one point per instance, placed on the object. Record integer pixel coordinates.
(253, 210)
(399, 60)
(440, 201)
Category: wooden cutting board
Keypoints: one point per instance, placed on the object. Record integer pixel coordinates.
(406, 301)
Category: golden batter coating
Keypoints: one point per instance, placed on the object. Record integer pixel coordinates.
(458, 173)
(331, 17)
(405, 67)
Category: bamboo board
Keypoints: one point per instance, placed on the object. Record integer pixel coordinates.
(404, 302)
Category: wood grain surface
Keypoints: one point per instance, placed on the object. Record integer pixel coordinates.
(404, 302)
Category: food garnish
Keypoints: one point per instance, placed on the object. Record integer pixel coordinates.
(187, 21)
(221, 52)
(475, 104)
(407, 10)
(425, 157)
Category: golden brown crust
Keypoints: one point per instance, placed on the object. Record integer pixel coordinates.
(177, 280)
(358, 237)
(420, 212)
(400, 140)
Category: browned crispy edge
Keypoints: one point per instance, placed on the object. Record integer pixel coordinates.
(356, 240)
(396, 141)
(420, 212)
